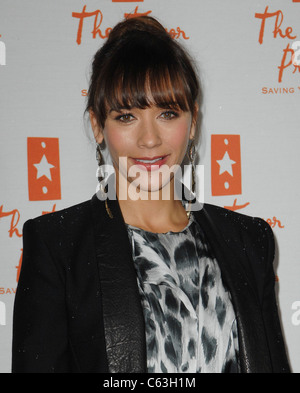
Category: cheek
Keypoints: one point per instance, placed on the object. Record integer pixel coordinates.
(119, 145)
(116, 143)
(180, 136)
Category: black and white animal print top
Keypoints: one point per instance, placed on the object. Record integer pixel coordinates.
(189, 318)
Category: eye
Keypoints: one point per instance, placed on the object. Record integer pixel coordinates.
(125, 118)
(169, 115)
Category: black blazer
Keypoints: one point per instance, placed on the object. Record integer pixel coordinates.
(77, 306)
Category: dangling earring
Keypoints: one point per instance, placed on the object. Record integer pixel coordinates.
(191, 155)
(100, 176)
(99, 158)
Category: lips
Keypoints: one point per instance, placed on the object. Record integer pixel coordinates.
(150, 163)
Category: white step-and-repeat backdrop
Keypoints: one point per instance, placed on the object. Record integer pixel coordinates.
(248, 53)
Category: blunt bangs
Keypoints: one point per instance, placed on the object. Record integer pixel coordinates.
(145, 71)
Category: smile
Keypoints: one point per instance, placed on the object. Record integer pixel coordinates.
(148, 163)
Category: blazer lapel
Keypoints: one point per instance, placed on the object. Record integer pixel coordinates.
(122, 311)
(254, 353)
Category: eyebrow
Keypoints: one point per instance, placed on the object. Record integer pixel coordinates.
(119, 109)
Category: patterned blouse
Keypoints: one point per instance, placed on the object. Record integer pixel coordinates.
(189, 318)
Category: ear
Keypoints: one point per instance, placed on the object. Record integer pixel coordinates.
(97, 130)
(194, 121)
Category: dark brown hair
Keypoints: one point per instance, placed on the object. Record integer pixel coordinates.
(141, 65)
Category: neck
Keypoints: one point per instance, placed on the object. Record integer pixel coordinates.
(154, 211)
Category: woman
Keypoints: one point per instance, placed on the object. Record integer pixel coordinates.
(146, 283)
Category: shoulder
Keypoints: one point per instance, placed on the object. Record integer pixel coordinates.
(237, 222)
(65, 237)
(244, 233)
(68, 220)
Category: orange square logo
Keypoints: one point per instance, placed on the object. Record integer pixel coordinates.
(43, 169)
(226, 174)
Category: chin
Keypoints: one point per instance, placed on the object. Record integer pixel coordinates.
(151, 185)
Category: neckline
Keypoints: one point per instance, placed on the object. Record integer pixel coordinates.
(134, 228)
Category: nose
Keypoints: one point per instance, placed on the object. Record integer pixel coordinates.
(149, 134)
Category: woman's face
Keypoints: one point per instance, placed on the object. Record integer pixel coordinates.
(144, 144)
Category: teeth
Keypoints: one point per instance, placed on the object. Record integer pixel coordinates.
(150, 161)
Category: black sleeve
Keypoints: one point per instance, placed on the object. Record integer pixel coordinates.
(40, 338)
(273, 328)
